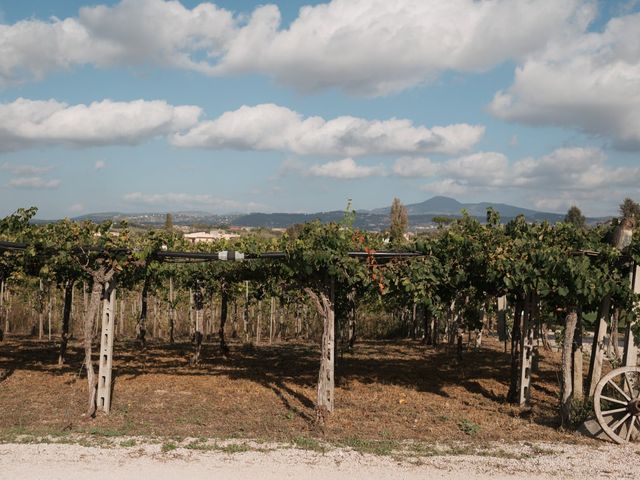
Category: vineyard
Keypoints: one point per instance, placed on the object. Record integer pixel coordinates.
(317, 315)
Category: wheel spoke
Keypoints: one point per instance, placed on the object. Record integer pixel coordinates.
(629, 385)
(616, 410)
(612, 400)
(615, 426)
(629, 429)
(622, 392)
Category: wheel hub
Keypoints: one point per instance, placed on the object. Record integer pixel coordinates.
(634, 407)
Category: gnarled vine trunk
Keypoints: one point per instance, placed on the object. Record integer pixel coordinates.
(566, 390)
(324, 302)
(89, 321)
(224, 300)
(141, 325)
(66, 319)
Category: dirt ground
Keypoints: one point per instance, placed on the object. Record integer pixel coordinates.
(386, 391)
(135, 461)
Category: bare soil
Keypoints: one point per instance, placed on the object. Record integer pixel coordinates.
(140, 460)
(386, 391)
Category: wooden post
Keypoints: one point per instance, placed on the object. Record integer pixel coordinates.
(630, 354)
(526, 352)
(49, 314)
(597, 348)
(155, 317)
(191, 329)
(258, 319)
(106, 348)
(172, 311)
(246, 325)
(272, 319)
(224, 349)
(1, 308)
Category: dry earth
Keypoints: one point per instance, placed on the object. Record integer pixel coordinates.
(534, 461)
(402, 411)
(385, 391)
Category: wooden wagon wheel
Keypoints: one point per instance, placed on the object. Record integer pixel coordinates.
(617, 404)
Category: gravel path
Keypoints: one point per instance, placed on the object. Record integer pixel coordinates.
(541, 461)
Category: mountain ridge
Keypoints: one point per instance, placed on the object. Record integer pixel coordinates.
(420, 215)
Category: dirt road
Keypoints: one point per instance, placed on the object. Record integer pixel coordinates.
(141, 461)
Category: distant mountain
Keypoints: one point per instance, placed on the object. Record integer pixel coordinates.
(420, 215)
(451, 207)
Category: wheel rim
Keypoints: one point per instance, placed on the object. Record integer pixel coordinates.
(617, 404)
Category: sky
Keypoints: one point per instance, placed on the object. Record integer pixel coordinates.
(300, 105)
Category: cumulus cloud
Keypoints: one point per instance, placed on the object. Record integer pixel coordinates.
(345, 169)
(366, 47)
(589, 81)
(35, 183)
(273, 127)
(132, 32)
(485, 167)
(190, 200)
(563, 177)
(33, 123)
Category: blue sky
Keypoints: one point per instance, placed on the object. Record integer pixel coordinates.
(148, 105)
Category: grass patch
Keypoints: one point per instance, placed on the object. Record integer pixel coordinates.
(537, 450)
(234, 448)
(468, 427)
(105, 432)
(308, 443)
(128, 443)
(422, 450)
(169, 446)
(201, 445)
(374, 447)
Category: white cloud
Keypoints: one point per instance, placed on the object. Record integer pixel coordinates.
(133, 32)
(589, 81)
(485, 167)
(76, 208)
(16, 169)
(374, 47)
(366, 47)
(415, 167)
(448, 187)
(34, 183)
(272, 127)
(100, 165)
(345, 169)
(32, 123)
(564, 177)
(189, 200)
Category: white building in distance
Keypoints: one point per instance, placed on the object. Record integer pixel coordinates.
(211, 236)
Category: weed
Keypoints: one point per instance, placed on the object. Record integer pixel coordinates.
(307, 443)
(468, 427)
(375, 447)
(105, 432)
(200, 445)
(422, 450)
(128, 443)
(169, 446)
(234, 448)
